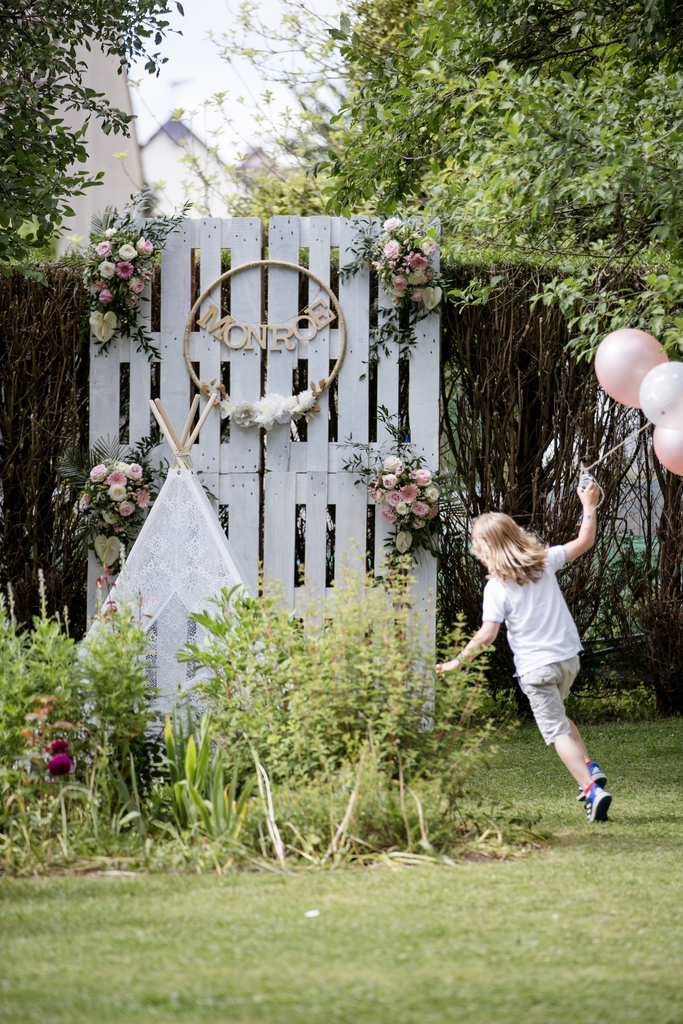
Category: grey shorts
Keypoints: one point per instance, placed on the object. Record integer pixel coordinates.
(547, 688)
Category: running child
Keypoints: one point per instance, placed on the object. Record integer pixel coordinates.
(522, 591)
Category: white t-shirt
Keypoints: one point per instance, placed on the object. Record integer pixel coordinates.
(540, 627)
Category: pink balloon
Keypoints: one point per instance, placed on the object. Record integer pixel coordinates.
(668, 446)
(623, 359)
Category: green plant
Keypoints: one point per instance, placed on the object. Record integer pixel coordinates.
(198, 790)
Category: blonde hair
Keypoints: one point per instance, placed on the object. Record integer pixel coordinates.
(507, 551)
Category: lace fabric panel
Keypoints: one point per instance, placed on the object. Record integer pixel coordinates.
(180, 560)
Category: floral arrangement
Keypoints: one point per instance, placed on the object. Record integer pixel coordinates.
(119, 268)
(404, 258)
(117, 487)
(409, 499)
(272, 409)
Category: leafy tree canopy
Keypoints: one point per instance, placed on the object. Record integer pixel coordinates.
(43, 63)
(543, 128)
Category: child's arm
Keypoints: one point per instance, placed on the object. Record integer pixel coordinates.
(589, 497)
(484, 637)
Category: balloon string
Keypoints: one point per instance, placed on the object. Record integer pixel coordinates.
(617, 447)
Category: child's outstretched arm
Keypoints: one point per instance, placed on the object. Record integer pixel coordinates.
(484, 637)
(589, 497)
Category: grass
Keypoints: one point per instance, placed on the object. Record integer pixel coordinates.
(590, 931)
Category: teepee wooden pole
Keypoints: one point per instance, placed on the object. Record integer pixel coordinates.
(162, 423)
(176, 440)
(209, 406)
(188, 424)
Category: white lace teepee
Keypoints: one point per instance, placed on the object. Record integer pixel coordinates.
(180, 560)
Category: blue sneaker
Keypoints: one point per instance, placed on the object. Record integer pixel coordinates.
(597, 775)
(597, 804)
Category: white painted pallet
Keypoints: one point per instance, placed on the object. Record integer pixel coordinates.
(268, 481)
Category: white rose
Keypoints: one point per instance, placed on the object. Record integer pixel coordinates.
(110, 232)
(121, 467)
(417, 278)
(392, 223)
(127, 252)
(402, 509)
(117, 492)
(244, 414)
(431, 493)
(110, 517)
(106, 270)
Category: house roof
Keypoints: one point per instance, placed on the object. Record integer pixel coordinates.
(176, 131)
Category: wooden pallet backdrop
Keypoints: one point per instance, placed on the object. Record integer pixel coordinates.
(270, 483)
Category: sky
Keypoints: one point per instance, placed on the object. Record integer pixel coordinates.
(195, 71)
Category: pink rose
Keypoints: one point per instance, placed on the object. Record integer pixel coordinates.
(116, 478)
(85, 500)
(103, 249)
(392, 248)
(420, 508)
(387, 514)
(409, 493)
(417, 295)
(400, 283)
(98, 473)
(144, 247)
(393, 464)
(389, 481)
(379, 495)
(143, 499)
(134, 472)
(392, 223)
(136, 285)
(98, 286)
(433, 511)
(126, 508)
(428, 246)
(393, 498)
(124, 270)
(421, 476)
(106, 296)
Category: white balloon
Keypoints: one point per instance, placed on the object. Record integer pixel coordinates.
(661, 396)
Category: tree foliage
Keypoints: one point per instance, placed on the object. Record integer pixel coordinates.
(44, 52)
(538, 129)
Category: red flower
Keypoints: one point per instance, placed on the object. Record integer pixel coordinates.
(58, 747)
(61, 764)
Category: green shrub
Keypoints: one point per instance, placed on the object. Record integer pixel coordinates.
(309, 699)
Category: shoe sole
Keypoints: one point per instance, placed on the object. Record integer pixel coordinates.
(600, 808)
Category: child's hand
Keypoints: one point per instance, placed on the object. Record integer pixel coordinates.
(448, 666)
(589, 496)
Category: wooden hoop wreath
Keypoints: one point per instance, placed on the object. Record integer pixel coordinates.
(204, 388)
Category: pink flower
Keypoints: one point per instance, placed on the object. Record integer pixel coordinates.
(421, 476)
(417, 262)
(136, 285)
(134, 471)
(103, 249)
(428, 246)
(400, 283)
(61, 764)
(379, 495)
(420, 508)
(124, 270)
(390, 481)
(144, 247)
(98, 285)
(85, 500)
(100, 581)
(409, 493)
(106, 296)
(433, 511)
(116, 478)
(126, 508)
(393, 498)
(393, 464)
(98, 473)
(417, 295)
(392, 248)
(58, 747)
(392, 223)
(144, 500)
(387, 514)
(428, 276)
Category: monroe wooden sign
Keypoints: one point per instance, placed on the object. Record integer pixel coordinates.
(238, 335)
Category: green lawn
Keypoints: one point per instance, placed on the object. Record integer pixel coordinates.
(590, 931)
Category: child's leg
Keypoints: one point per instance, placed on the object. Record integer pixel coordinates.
(573, 753)
(576, 735)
